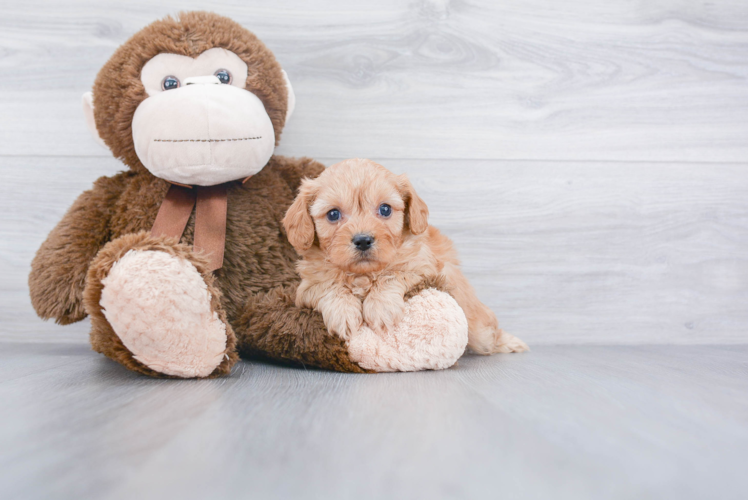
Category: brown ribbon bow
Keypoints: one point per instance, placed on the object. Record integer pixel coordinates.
(211, 204)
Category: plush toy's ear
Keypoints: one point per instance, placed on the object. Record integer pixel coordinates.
(416, 211)
(88, 113)
(291, 97)
(298, 222)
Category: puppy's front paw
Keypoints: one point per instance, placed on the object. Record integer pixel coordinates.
(342, 315)
(383, 310)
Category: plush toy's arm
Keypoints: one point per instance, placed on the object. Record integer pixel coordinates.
(272, 326)
(58, 271)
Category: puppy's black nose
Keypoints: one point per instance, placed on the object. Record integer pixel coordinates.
(363, 241)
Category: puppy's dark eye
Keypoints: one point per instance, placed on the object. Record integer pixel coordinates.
(385, 210)
(170, 82)
(224, 75)
(333, 215)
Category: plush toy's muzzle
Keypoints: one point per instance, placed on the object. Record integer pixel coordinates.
(203, 133)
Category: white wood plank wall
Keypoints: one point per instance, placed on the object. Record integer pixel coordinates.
(588, 158)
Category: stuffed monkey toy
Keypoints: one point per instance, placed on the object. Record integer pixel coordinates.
(181, 261)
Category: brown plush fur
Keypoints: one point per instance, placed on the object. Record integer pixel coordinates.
(274, 333)
(251, 291)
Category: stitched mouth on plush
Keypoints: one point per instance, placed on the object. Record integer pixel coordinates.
(223, 128)
(208, 140)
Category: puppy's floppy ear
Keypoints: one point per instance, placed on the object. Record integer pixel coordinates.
(416, 211)
(298, 222)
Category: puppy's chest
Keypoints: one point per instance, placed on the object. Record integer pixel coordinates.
(359, 285)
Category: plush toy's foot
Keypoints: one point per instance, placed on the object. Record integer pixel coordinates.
(432, 335)
(159, 306)
(161, 311)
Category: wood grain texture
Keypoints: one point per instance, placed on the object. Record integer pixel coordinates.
(589, 252)
(562, 422)
(589, 161)
(663, 80)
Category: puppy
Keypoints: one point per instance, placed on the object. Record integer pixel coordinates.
(365, 241)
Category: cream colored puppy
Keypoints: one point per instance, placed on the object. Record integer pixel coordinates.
(365, 241)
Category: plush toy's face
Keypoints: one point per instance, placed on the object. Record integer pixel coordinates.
(199, 125)
(197, 117)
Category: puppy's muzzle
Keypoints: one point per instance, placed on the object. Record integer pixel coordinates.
(362, 242)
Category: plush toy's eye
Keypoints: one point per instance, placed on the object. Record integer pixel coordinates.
(224, 75)
(385, 210)
(170, 82)
(333, 215)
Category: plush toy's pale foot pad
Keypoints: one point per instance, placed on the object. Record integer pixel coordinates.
(431, 336)
(159, 306)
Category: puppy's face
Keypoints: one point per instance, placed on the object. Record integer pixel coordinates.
(357, 212)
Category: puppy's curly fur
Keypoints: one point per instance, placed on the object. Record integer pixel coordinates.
(365, 240)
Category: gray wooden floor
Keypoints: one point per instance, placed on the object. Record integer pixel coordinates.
(576, 422)
(590, 161)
